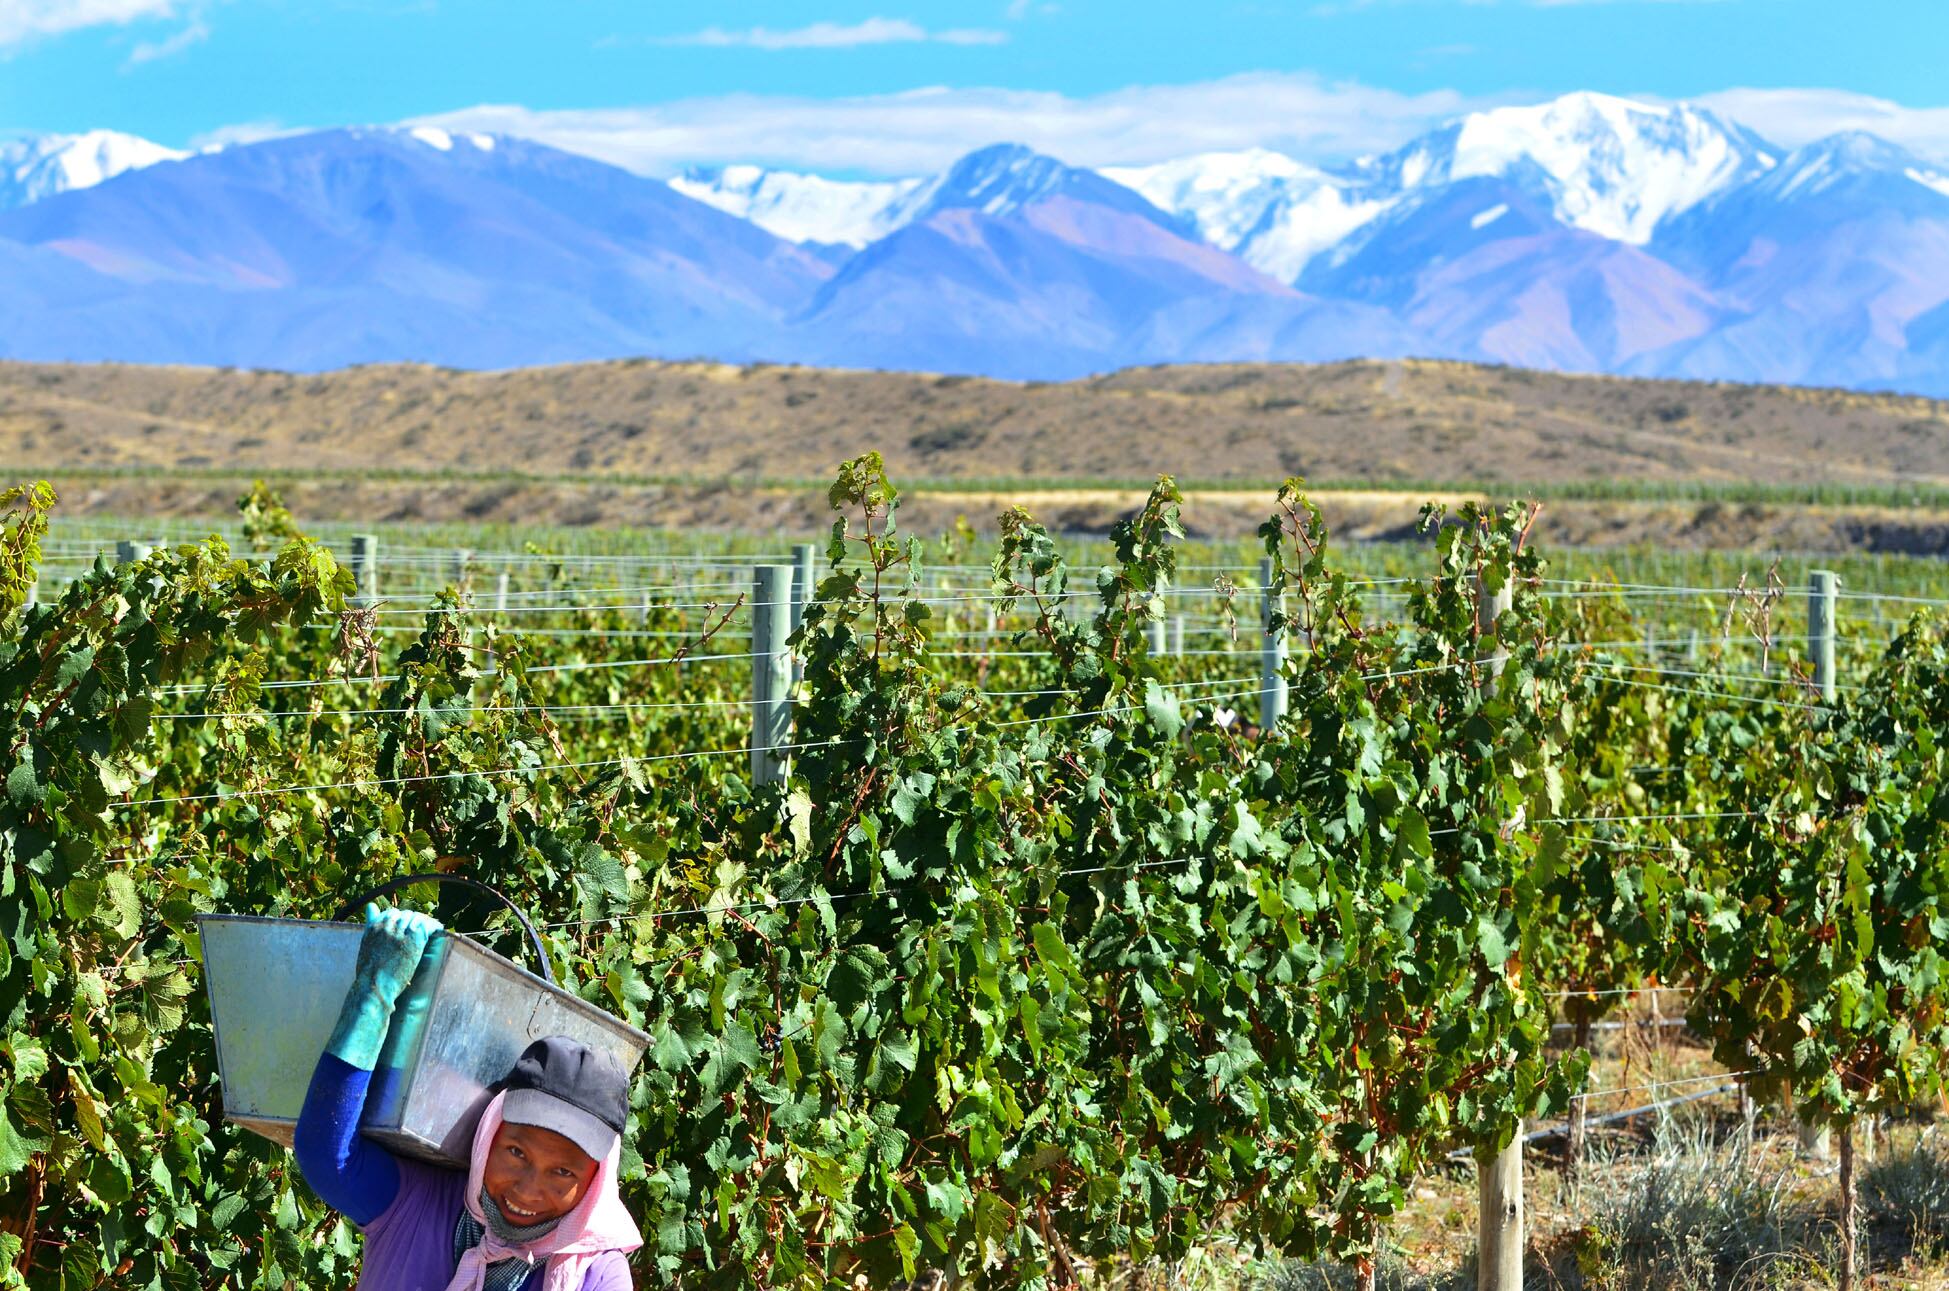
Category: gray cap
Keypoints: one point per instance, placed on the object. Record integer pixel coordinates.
(563, 1085)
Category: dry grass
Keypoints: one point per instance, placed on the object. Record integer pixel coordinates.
(1370, 421)
(690, 444)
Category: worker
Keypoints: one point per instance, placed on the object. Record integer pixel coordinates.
(538, 1207)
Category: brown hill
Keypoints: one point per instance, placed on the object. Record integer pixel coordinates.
(1367, 421)
(638, 440)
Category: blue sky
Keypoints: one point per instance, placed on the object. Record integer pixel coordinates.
(887, 87)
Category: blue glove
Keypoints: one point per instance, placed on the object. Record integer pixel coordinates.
(389, 954)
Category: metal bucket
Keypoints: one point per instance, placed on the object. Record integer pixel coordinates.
(275, 988)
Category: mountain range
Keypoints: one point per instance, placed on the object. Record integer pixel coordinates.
(1589, 233)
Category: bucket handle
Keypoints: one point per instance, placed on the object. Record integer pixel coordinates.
(407, 880)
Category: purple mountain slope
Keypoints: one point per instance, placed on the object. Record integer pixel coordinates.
(1483, 269)
(1008, 177)
(1025, 266)
(1590, 233)
(1834, 268)
(352, 246)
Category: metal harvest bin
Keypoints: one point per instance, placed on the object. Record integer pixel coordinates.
(275, 988)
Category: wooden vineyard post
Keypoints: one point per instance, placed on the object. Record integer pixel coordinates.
(1815, 1143)
(805, 558)
(1158, 641)
(1177, 634)
(1272, 654)
(1499, 1185)
(944, 598)
(1573, 1153)
(1822, 594)
(490, 660)
(1850, 1217)
(457, 565)
(365, 566)
(1812, 1141)
(771, 672)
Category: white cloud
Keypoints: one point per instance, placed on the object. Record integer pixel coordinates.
(832, 35)
(242, 133)
(149, 51)
(1793, 117)
(920, 131)
(22, 20)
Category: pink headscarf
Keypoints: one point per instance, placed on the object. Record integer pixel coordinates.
(598, 1223)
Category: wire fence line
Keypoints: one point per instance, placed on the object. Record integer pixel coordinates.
(375, 781)
(1665, 1084)
(1720, 694)
(362, 679)
(1245, 579)
(623, 706)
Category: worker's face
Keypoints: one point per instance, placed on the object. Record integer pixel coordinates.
(535, 1175)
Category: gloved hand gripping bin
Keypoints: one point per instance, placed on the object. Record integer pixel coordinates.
(275, 987)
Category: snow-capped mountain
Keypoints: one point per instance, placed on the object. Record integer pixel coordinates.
(811, 209)
(1045, 270)
(804, 208)
(1610, 166)
(1836, 262)
(1226, 194)
(1590, 233)
(43, 165)
(1274, 212)
(1005, 178)
(366, 245)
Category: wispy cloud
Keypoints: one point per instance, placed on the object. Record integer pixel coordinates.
(23, 20)
(833, 35)
(241, 133)
(1791, 117)
(149, 51)
(920, 131)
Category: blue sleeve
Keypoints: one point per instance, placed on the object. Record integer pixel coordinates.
(353, 1176)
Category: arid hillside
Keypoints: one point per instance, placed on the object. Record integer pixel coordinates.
(708, 444)
(1372, 422)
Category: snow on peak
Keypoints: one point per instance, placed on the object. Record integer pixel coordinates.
(40, 166)
(998, 179)
(1225, 194)
(1274, 212)
(1482, 219)
(443, 140)
(1612, 166)
(1929, 179)
(803, 208)
(1837, 159)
